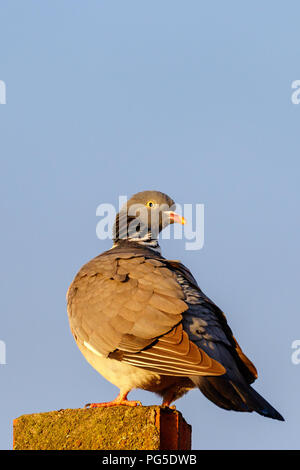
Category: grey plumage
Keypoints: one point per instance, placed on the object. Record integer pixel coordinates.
(143, 322)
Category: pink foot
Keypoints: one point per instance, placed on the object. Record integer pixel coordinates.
(113, 403)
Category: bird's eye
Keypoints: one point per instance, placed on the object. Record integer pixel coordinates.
(150, 204)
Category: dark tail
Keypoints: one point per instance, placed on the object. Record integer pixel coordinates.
(235, 396)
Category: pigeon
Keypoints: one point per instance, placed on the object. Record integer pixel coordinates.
(143, 322)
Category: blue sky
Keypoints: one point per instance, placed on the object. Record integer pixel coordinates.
(189, 98)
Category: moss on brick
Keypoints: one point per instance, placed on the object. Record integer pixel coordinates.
(119, 427)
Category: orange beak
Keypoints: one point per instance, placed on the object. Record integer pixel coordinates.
(176, 218)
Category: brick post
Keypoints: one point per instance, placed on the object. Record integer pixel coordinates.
(116, 428)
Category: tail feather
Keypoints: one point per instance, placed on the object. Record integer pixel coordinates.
(236, 396)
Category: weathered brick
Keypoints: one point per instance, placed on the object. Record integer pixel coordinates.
(120, 427)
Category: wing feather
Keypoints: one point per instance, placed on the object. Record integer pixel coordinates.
(207, 326)
(131, 308)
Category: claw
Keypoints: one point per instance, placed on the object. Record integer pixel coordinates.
(120, 400)
(113, 403)
(165, 405)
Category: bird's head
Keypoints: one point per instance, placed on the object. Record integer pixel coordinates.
(144, 216)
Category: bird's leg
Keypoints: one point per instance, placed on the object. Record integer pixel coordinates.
(167, 402)
(120, 400)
